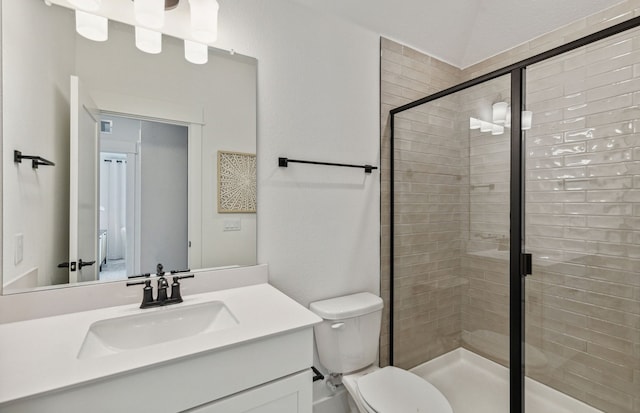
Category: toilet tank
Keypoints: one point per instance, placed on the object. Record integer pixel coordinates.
(348, 337)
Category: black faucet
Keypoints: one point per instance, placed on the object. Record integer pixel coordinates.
(162, 298)
(163, 284)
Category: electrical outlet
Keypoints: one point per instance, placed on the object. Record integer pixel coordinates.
(19, 242)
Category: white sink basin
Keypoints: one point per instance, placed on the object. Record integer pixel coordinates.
(155, 326)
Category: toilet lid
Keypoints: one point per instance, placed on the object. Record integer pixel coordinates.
(393, 390)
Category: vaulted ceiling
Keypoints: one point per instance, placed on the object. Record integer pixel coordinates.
(461, 32)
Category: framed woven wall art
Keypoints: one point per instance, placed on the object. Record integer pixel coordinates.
(236, 182)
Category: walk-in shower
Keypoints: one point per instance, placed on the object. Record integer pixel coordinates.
(533, 168)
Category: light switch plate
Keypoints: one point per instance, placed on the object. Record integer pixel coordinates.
(19, 249)
(232, 225)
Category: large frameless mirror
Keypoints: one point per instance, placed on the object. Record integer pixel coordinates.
(153, 156)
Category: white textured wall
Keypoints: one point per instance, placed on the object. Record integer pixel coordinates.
(36, 122)
(318, 99)
(318, 94)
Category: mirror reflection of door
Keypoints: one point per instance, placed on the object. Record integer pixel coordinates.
(83, 178)
(112, 235)
(143, 180)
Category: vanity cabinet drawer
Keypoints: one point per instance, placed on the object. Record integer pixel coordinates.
(292, 394)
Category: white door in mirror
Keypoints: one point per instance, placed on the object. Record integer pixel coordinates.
(83, 184)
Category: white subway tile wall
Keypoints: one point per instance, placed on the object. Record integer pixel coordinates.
(583, 310)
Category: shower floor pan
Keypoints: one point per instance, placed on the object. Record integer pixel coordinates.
(474, 384)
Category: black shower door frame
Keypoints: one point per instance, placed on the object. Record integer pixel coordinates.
(519, 261)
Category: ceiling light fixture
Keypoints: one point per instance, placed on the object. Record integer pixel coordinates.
(498, 128)
(201, 26)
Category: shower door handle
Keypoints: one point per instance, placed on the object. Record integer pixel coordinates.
(526, 264)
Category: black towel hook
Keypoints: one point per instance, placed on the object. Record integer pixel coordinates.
(35, 160)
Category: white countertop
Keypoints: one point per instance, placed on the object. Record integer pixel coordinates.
(40, 355)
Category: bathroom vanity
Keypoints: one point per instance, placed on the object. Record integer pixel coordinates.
(237, 349)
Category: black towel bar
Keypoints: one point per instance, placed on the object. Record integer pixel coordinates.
(284, 162)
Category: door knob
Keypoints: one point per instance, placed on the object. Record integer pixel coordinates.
(84, 264)
(71, 265)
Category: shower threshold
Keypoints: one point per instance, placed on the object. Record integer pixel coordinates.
(474, 384)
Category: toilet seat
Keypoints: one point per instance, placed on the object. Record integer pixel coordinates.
(393, 390)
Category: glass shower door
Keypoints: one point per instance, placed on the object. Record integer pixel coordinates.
(582, 226)
(451, 235)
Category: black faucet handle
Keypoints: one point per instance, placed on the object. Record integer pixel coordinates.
(147, 292)
(159, 269)
(180, 271)
(175, 287)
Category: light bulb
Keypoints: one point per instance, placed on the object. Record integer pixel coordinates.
(527, 119)
(499, 112)
(91, 26)
(149, 13)
(497, 130)
(148, 41)
(204, 20)
(196, 53)
(86, 5)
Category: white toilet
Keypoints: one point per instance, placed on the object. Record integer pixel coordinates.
(347, 342)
